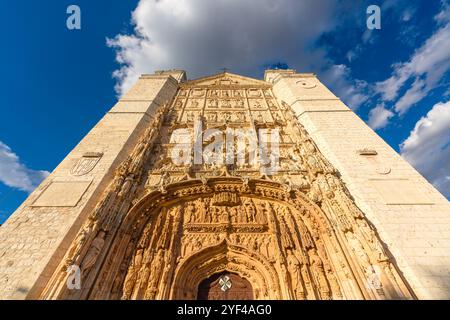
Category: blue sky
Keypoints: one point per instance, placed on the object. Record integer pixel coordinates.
(56, 83)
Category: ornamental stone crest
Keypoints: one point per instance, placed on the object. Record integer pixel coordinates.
(86, 164)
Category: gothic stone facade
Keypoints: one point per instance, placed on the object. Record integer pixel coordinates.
(343, 217)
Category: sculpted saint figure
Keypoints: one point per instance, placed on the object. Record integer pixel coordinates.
(202, 209)
(305, 236)
(126, 187)
(131, 276)
(242, 216)
(144, 271)
(155, 274)
(189, 214)
(332, 279)
(118, 279)
(261, 213)
(250, 211)
(296, 277)
(285, 238)
(185, 240)
(74, 252)
(223, 214)
(266, 247)
(317, 268)
(95, 249)
(234, 214)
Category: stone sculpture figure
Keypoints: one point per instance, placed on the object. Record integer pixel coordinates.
(319, 272)
(296, 276)
(94, 251)
(155, 274)
(132, 274)
(190, 216)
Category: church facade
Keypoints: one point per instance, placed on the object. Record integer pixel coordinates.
(228, 187)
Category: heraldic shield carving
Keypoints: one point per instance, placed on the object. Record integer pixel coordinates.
(86, 164)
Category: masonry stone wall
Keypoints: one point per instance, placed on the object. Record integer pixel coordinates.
(37, 235)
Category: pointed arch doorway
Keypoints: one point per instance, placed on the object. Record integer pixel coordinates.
(281, 242)
(225, 286)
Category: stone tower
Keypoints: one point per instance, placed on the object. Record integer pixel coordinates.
(177, 193)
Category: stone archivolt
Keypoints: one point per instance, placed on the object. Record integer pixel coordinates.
(161, 229)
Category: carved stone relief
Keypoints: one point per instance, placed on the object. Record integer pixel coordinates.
(160, 229)
(86, 164)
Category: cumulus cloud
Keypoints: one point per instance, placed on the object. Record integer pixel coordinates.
(379, 117)
(428, 147)
(244, 36)
(424, 70)
(204, 36)
(14, 174)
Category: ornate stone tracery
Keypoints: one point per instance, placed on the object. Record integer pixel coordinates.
(161, 229)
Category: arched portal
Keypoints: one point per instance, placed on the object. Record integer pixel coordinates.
(278, 240)
(225, 286)
(222, 258)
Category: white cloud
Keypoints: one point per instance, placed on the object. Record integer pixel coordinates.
(245, 36)
(444, 15)
(389, 88)
(413, 95)
(428, 147)
(425, 69)
(379, 117)
(203, 36)
(339, 80)
(15, 174)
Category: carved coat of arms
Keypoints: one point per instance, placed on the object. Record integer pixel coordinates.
(86, 164)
